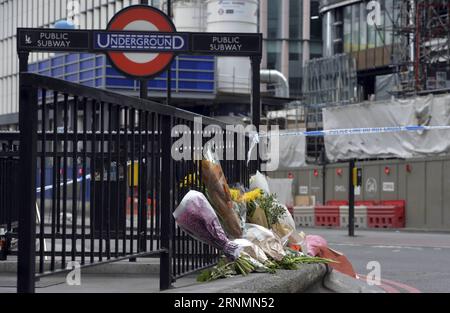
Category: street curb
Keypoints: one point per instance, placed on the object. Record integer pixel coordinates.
(336, 282)
(283, 281)
(341, 283)
(145, 266)
(310, 278)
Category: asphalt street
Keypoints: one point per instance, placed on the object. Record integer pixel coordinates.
(409, 261)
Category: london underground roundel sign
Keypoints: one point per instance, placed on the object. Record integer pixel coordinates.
(140, 18)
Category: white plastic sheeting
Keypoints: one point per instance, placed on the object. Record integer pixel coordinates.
(290, 153)
(423, 111)
(282, 187)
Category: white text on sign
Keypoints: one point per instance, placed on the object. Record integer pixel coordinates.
(225, 43)
(53, 40)
(139, 42)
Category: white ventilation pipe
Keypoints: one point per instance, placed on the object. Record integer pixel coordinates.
(276, 77)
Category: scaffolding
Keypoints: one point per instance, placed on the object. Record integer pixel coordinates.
(403, 30)
(326, 82)
(421, 49)
(432, 62)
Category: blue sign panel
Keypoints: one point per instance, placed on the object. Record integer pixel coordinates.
(140, 41)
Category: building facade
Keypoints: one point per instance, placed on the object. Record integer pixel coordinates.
(400, 46)
(292, 32)
(289, 40)
(85, 14)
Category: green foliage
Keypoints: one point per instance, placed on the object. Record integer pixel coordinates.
(225, 269)
(274, 211)
(251, 207)
(242, 266)
(291, 262)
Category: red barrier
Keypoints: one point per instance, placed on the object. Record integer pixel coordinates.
(366, 203)
(135, 207)
(337, 202)
(386, 216)
(397, 203)
(327, 215)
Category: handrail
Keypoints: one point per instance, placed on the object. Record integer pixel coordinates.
(63, 86)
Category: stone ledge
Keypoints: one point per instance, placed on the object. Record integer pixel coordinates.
(283, 281)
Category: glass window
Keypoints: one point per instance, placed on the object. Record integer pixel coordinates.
(355, 27)
(274, 54)
(371, 33)
(381, 29)
(315, 50)
(295, 18)
(316, 21)
(295, 49)
(347, 28)
(389, 18)
(363, 27)
(274, 23)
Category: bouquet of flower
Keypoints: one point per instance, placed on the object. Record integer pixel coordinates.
(239, 205)
(255, 214)
(219, 195)
(196, 217)
(284, 227)
(263, 209)
(266, 240)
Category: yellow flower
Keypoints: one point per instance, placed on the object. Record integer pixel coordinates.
(189, 179)
(252, 195)
(235, 194)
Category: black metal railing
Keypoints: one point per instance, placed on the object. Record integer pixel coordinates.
(101, 183)
(9, 188)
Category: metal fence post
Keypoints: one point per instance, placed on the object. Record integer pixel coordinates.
(255, 62)
(351, 200)
(165, 281)
(27, 214)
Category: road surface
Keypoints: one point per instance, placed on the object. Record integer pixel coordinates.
(409, 261)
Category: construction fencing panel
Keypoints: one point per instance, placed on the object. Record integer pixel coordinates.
(424, 184)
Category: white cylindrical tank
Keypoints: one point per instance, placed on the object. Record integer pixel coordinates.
(189, 15)
(233, 73)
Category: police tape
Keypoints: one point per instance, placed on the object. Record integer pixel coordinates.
(69, 182)
(358, 131)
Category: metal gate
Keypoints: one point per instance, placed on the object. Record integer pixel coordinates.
(96, 170)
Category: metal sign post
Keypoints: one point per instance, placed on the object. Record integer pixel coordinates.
(355, 180)
(143, 87)
(351, 200)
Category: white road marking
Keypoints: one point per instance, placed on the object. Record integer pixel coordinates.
(398, 247)
(379, 246)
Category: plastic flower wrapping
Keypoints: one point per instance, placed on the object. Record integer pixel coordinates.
(196, 217)
(219, 194)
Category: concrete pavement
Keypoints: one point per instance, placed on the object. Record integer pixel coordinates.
(409, 262)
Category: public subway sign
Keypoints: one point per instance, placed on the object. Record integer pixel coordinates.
(52, 40)
(226, 43)
(140, 41)
(96, 41)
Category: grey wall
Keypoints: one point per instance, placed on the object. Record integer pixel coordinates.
(426, 188)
